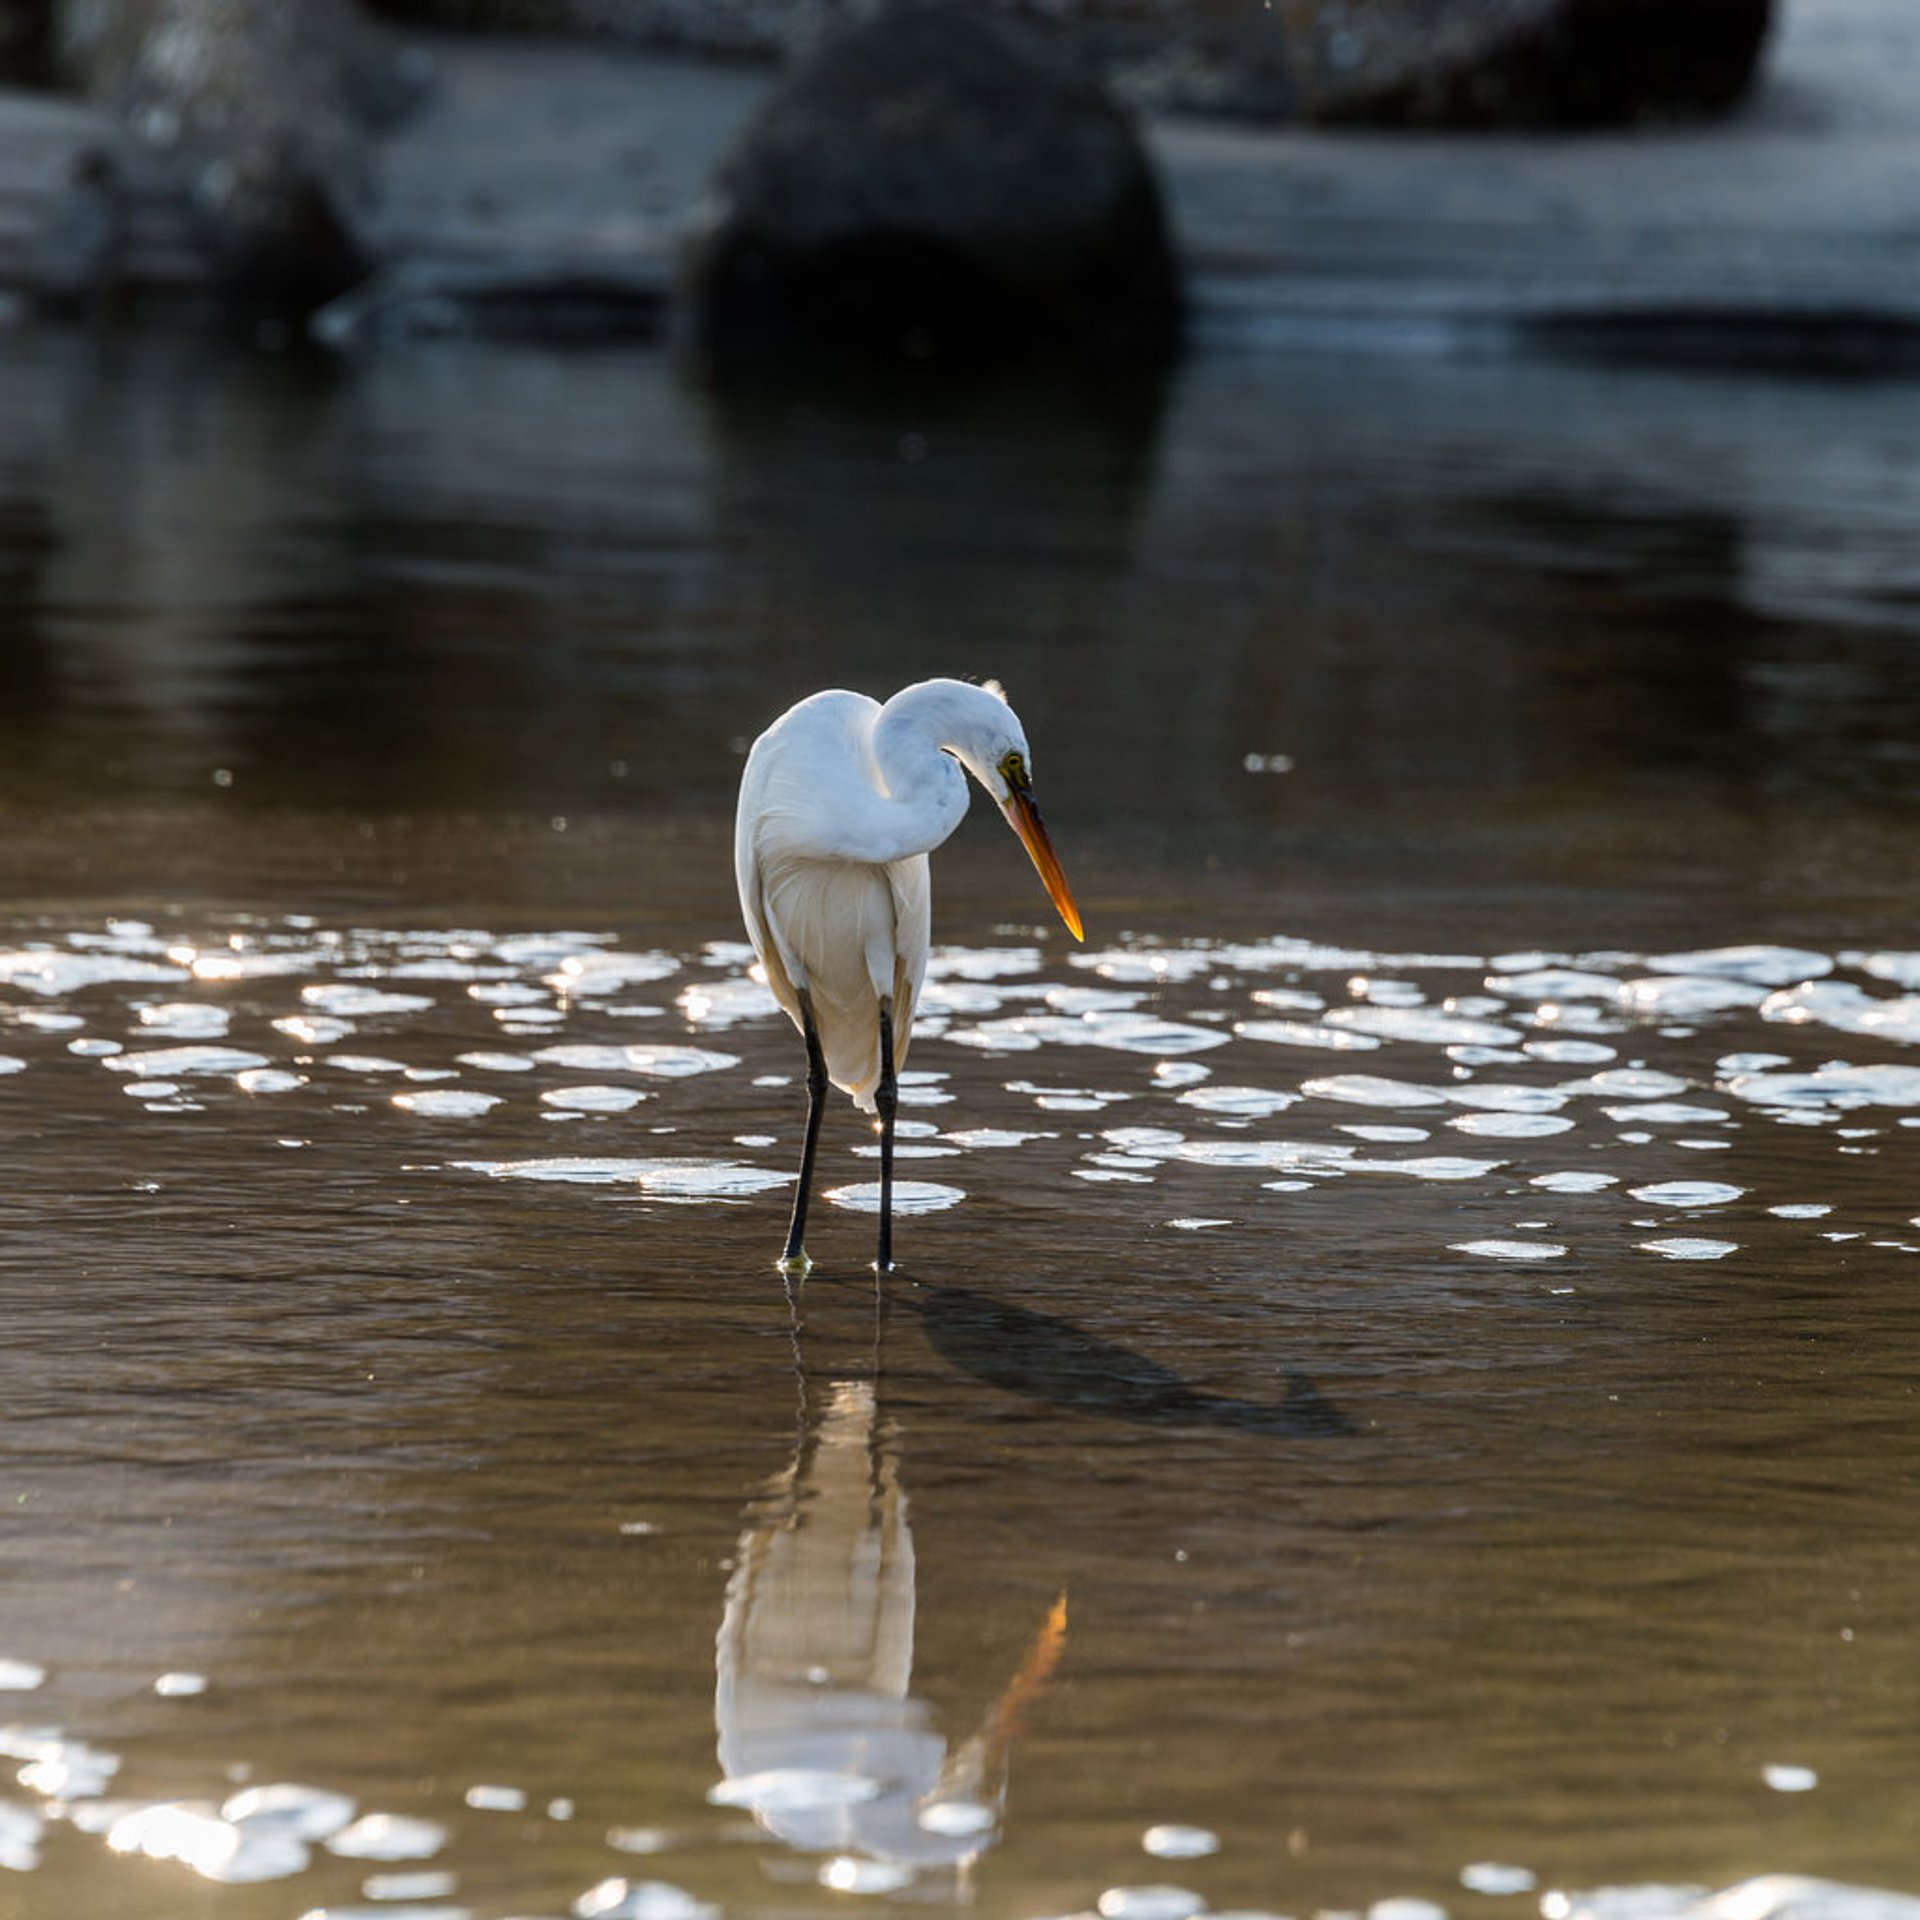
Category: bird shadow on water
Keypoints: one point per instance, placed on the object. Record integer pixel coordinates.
(1044, 1358)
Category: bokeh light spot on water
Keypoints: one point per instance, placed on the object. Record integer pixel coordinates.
(1172, 1841)
(388, 1836)
(1511, 1249)
(447, 1103)
(21, 1676)
(1497, 1878)
(493, 1798)
(621, 1899)
(20, 1833)
(956, 1819)
(793, 1789)
(1685, 1247)
(200, 1840)
(1152, 1902)
(312, 1813)
(1783, 1777)
(1688, 1193)
(847, 1873)
(909, 1196)
(593, 1099)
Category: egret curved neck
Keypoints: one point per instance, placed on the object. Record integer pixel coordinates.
(926, 792)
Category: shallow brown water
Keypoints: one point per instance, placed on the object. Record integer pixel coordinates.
(1415, 1503)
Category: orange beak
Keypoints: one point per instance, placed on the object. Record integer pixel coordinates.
(1024, 818)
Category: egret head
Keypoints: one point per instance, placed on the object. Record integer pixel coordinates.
(986, 737)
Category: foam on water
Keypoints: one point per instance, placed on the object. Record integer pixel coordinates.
(45, 970)
(1299, 1033)
(264, 1080)
(311, 1813)
(1848, 1008)
(656, 1062)
(1762, 965)
(314, 1030)
(586, 976)
(1372, 1090)
(185, 1019)
(1686, 996)
(347, 1001)
(1556, 983)
(195, 1836)
(665, 1179)
(1774, 1896)
(1497, 1878)
(593, 1099)
(20, 1832)
(622, 1899)
(1248, 1103)
(1150, 1903)
(170, 1062)
(1688, 1193)
(956, 1819)
(909, 1196)
(447, 1103)
(793, 1790)
(388, 1836)
(1172, 1841)
(848, 1873)
(1837, 1086)
(1422, 1027)
(1511, 1249)
(1511, 1126)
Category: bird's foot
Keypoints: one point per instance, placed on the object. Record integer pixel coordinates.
(795, 1265)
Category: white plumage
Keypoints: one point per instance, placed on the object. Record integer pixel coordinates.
(840, 804)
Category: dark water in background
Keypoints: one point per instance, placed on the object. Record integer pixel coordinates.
(1385, 1552)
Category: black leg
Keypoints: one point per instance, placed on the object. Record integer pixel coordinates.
(887, 1102)
(794, 1260)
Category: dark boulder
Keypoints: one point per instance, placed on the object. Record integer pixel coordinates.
(26, 35)
(1520, 63)
(931, 185)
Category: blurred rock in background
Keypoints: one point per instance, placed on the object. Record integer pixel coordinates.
(1431, 63)
(932, 186)
(1520, 63)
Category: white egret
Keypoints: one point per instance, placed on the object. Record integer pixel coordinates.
(840, 804)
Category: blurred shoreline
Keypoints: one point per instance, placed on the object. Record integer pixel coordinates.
(541, 190)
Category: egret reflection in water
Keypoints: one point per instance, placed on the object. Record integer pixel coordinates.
(820, 1733)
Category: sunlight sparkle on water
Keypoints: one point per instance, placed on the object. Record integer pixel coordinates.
(621, 1899)
(388, 1836)
(1688, 1193)
(1152, 1902)
(1511, 1249)
(447, 1103)
(1175, 1842)
(909, 1196)
(1497, 1878)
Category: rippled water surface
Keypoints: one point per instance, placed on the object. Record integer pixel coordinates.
(1401, 1389)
